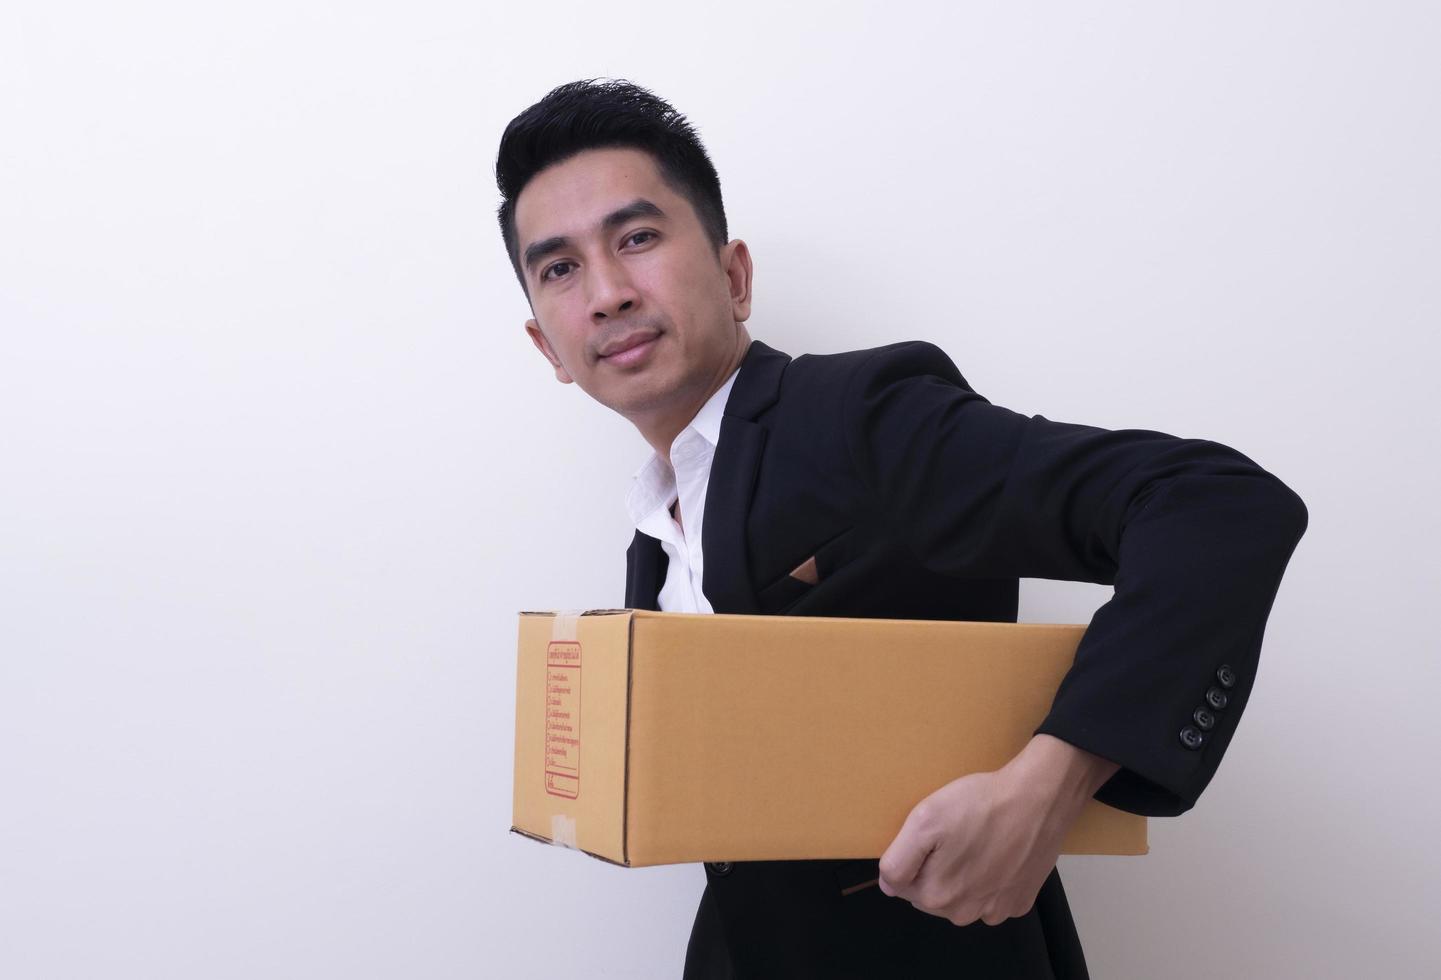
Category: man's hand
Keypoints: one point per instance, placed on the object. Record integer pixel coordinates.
(982, 846)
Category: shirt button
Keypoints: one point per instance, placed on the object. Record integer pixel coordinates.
(719, 868)
(1204, 719)
(1191, 738)
(1216, 698)
(1226, 676)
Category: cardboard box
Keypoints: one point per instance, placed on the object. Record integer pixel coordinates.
(649, 738)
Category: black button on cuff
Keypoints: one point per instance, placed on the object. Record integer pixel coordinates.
(1204, 719)
(1191, 738)
(719, 867)
(1216, 698)
(1226, 676)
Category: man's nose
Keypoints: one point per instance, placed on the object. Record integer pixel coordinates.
(611, 290)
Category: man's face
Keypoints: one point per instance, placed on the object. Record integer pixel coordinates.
(630, 300)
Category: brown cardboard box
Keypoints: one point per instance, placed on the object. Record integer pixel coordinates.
(658, 738)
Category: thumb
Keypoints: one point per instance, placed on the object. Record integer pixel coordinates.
(902, 861)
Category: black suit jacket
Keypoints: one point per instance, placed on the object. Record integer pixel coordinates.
(920, 499)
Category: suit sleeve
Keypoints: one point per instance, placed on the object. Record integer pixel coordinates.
(1193, 535)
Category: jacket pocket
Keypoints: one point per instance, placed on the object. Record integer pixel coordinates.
(789, 588)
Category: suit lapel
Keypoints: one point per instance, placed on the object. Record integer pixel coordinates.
(645, 566)
(727, 580)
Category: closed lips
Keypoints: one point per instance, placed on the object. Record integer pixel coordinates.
(628, 343)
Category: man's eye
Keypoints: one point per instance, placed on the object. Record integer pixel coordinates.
(631, 238)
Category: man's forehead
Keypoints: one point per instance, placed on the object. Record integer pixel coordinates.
(571, 197)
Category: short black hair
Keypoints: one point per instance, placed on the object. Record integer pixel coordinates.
(590, 114)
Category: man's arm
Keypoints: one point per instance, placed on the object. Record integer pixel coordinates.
(1193, 535)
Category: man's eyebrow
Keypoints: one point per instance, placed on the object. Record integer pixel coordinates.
(638, 208)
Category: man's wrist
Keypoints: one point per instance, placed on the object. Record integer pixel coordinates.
(1068, 772)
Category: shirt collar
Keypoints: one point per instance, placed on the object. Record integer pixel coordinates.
(653, 485)
(708, 420)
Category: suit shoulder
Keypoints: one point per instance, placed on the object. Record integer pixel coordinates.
(875, 365)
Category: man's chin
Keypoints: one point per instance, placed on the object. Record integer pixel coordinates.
(639, 400)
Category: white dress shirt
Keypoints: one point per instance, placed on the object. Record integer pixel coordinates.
(657, 485)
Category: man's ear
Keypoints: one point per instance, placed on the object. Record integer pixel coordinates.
(543, 345)
(736, 261)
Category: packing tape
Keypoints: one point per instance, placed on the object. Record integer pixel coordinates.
(562, 830)
(563, 627)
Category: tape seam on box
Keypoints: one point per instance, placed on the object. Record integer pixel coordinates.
(562, 831)
(564, 625)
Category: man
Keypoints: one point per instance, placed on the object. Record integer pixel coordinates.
(877, 483)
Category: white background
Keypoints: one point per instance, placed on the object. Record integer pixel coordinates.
(278, 465)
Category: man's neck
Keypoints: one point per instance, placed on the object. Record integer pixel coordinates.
(660, 433)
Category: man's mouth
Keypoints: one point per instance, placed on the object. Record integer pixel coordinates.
(629, 349)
